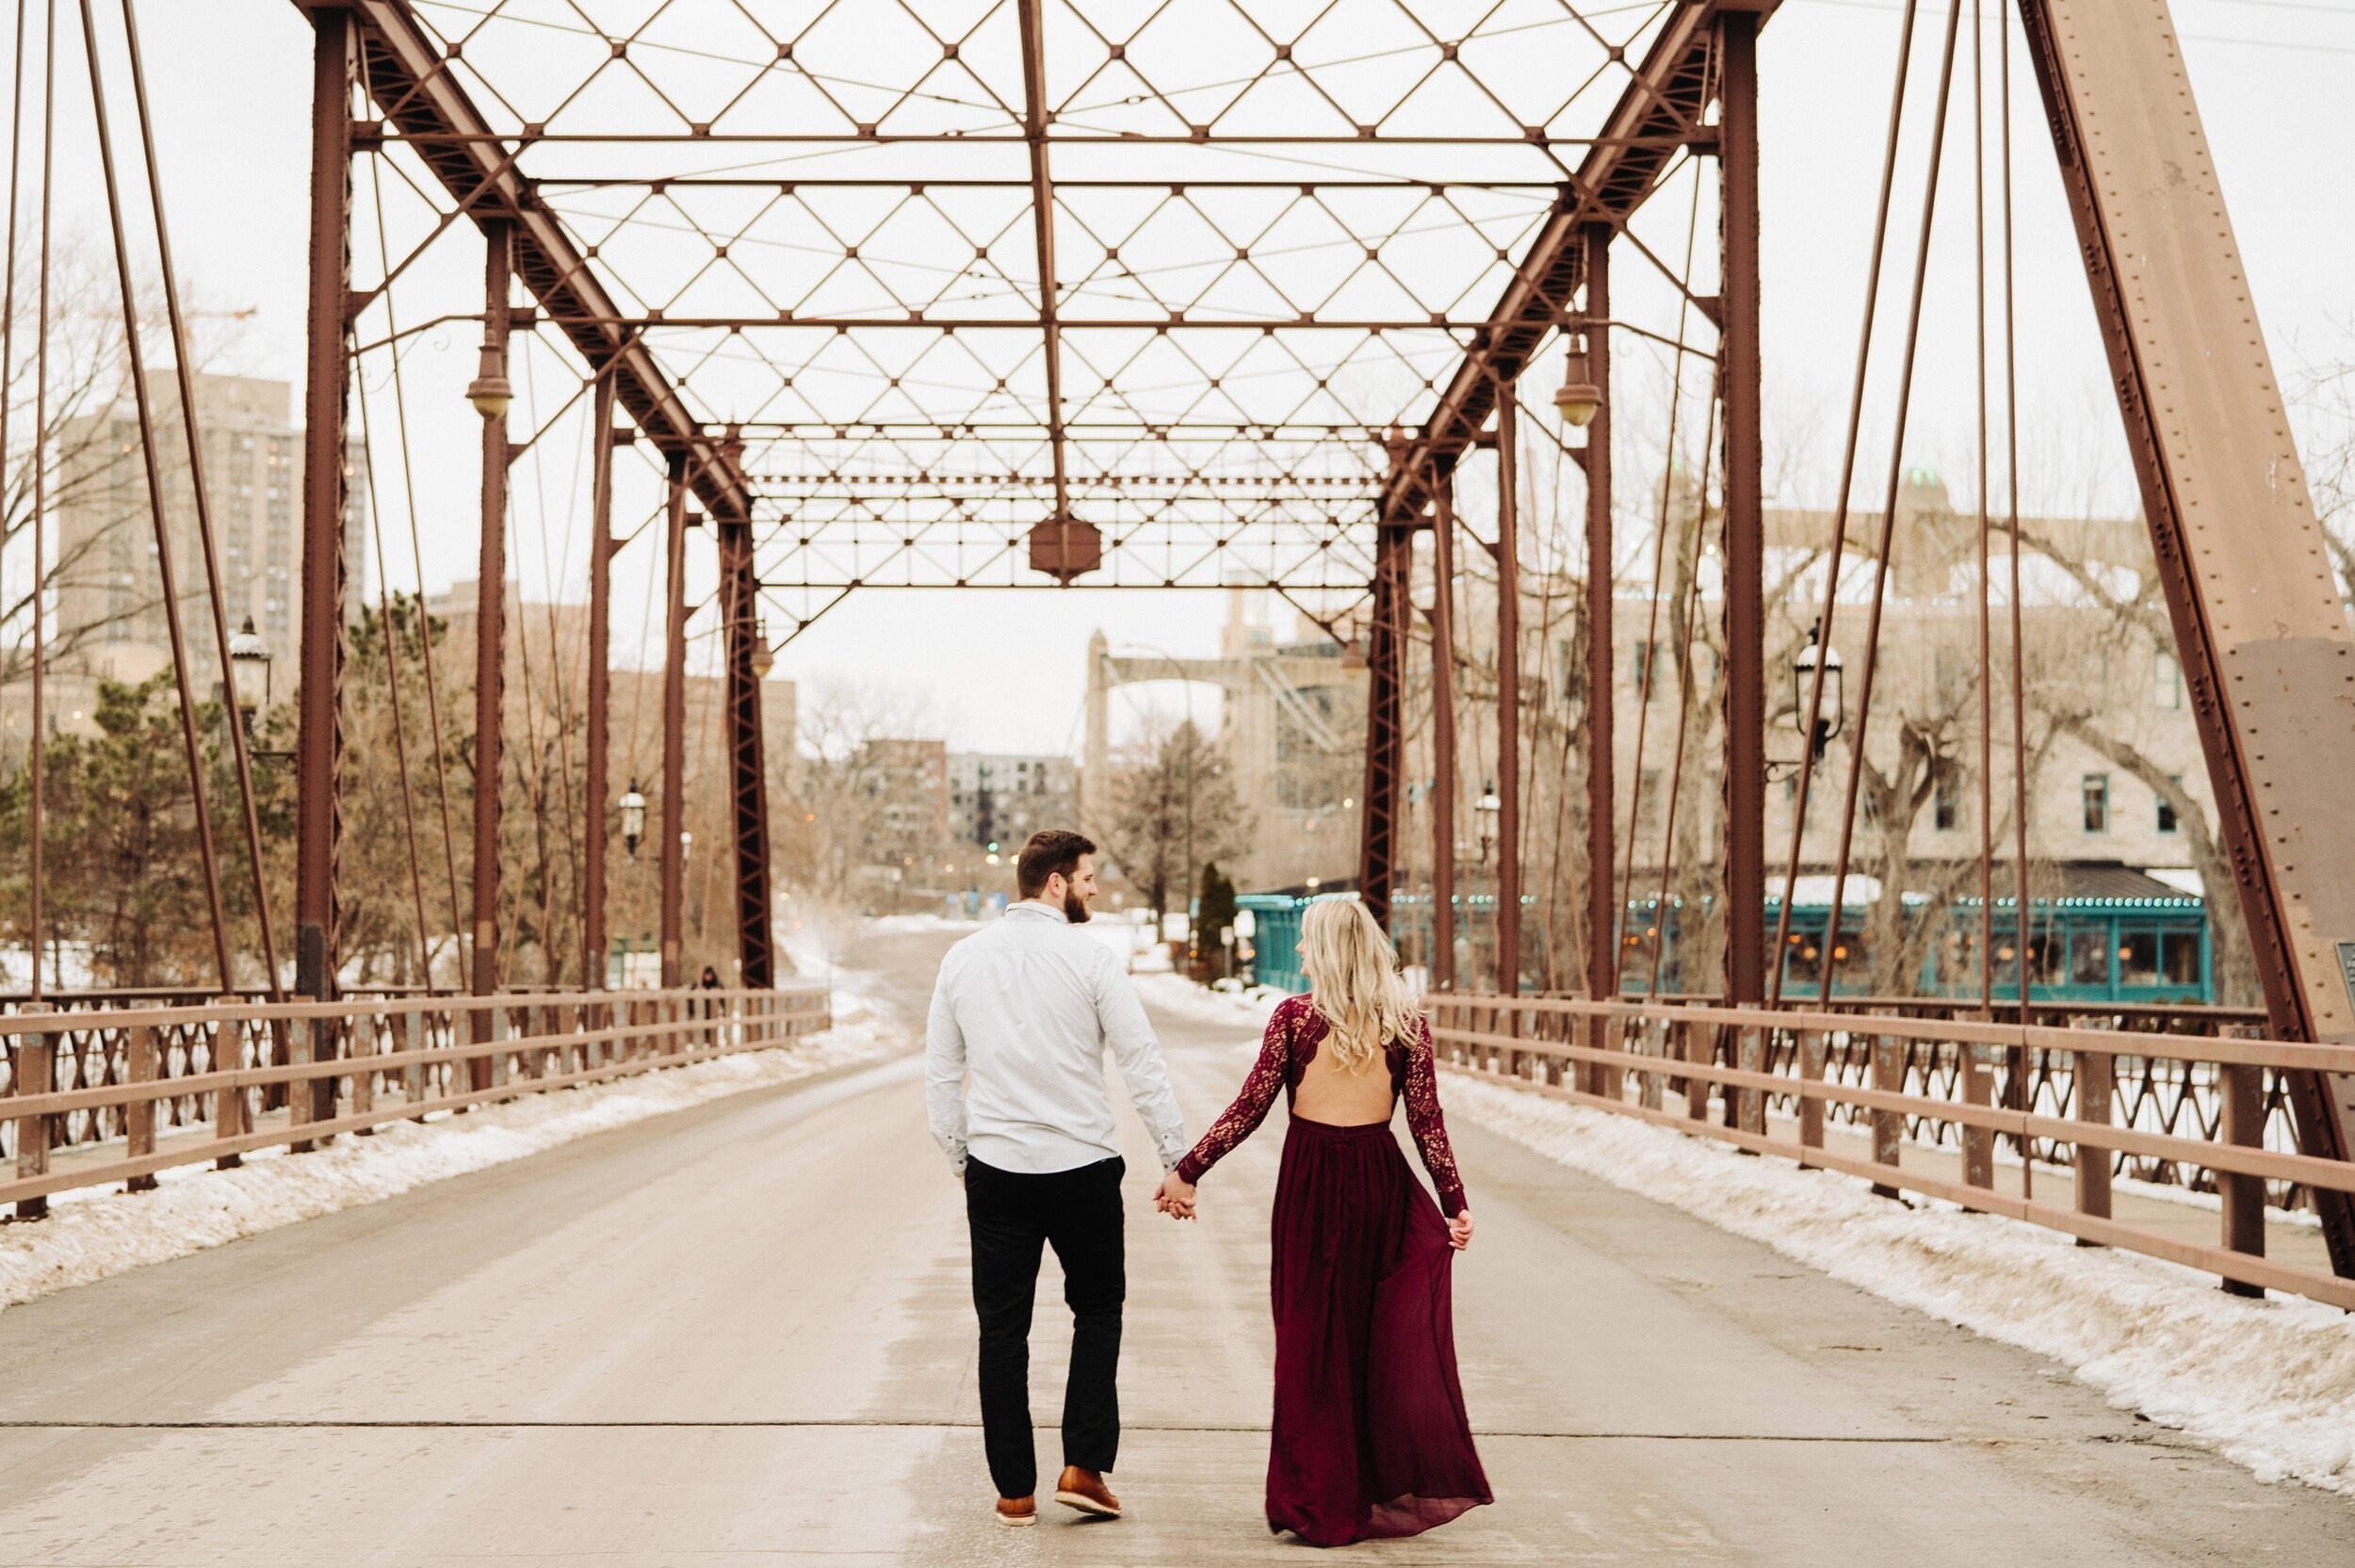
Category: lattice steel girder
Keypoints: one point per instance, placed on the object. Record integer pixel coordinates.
(2259, 627)
(748, 777)
(1385, 735)
(1658, 112)
(406, 73)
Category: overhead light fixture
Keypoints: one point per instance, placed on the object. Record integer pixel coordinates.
(491, 392)
(1578, 396)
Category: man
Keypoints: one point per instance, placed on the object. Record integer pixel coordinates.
(1027, 1005)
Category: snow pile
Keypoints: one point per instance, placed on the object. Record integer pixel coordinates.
(1238, 1008)
(104, 1231)
(2269, 1383)
(927, 922)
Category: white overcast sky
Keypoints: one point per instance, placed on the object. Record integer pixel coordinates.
(1004, 670)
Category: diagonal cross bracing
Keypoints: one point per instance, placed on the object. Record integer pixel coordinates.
(1658, 111)
(407, 76)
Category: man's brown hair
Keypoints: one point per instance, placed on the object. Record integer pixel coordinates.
(1048, 851)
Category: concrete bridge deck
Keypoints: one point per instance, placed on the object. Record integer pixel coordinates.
(739, 1334)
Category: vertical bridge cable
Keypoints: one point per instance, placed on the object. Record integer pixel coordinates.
(1684, 703)
(1809, 719)
(41, 469)
(1985, 650)
(1889, 512)
(239, 752)
(1649, 676)
(7, 367)
(417, 561)
(2011, 502)
(392, 681)
(166, 572)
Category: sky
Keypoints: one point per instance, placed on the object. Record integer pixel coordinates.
(1004, 670)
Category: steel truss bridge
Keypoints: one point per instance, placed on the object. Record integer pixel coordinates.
(1025, 294)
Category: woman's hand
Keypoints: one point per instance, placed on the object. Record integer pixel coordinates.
(1459, 1231)
(1174, 1197)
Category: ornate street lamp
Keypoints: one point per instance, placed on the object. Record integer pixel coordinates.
(249, 674)
(633, 819)
(1827, 723)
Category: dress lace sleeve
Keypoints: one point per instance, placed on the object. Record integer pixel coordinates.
(1429, 1128)
(1242, 1119)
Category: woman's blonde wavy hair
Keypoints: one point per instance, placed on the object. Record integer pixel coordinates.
(1354, 980)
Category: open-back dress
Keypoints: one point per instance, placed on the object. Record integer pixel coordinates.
(1370, 1438)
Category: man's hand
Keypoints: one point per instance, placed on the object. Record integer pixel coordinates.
(1174, 1197)
(1459, 1231)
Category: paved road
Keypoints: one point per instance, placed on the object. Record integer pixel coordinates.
(739, 1334)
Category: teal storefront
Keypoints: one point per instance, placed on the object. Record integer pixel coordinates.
(2107, 934)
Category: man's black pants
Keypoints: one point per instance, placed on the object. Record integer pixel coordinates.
(1079, 1214)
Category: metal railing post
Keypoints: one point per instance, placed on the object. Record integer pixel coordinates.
(138, 1116)
(2244, 1196)
(36, 1065)
(2095, 1072)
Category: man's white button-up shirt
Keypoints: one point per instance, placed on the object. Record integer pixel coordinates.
(1027, 1005)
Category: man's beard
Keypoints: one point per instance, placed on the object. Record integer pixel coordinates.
(1075, 909)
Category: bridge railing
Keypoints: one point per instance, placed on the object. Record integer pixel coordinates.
(2152, 1092)
(2201, 1111)
(96, 1095)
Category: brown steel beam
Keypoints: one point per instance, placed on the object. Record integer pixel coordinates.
(1602, 917)
(2260, 631)
(1443, 736)
(595, 846)
(319, 705)
(1508, 554)
(490, 640)
(1385, 730)
(674, 724)
(423, 100)
(1744, 561)
(1658, 111)
(755, 941)
(1036, 116)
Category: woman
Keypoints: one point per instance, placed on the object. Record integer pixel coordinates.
(1370, 1437)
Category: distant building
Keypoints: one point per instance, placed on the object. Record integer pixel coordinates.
(997, 799)
(1292, 721)
(110, 599)
(907, 785)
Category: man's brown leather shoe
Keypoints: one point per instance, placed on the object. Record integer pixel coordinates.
(1085, 1491)
(1017, 1511)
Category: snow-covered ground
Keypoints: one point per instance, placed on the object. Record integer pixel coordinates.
(2268, 1383)
(1243, 1009)
(91, 1235)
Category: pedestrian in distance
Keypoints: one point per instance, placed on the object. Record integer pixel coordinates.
(1013, 1087)
(1370, 1437)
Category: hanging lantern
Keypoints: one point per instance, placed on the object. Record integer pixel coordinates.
(764, 656)
(1578, 397)
(633, 819)
(249, 672)
(1802, 680)
(491, 392)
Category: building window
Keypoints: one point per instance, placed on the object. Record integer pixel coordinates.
(2096, 794)
(2167, 681)
(1639, 664)
(2167, 809)
(1947, 805)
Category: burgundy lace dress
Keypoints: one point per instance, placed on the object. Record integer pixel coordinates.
(1370, 1437)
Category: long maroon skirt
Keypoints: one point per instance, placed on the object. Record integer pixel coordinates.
(1370, 1436)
